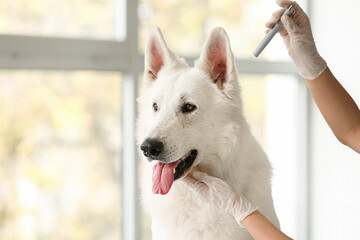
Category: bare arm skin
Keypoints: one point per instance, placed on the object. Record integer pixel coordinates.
(261, 228)
(338, 108)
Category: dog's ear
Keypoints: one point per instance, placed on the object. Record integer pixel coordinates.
(157, 54)
(154, 53)
(217, 59)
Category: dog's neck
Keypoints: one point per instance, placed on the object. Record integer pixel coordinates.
(221, 164)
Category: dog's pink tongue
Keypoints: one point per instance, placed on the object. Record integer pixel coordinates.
(163, 177)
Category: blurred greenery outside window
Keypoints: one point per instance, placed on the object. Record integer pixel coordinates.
(52, 18)
(186, 24)
(59, 154)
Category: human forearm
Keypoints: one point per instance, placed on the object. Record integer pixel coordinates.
(261, 228)
(338, 108)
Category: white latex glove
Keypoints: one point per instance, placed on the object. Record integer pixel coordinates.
(299, 40)
(216, 192)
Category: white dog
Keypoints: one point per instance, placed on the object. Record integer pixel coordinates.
(193, 116)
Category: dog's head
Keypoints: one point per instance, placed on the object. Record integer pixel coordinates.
(186, 114)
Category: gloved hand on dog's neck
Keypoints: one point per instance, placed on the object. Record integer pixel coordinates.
(217, 192)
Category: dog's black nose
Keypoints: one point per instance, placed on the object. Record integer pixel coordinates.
(152, 147)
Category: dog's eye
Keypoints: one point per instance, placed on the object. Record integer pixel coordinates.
(187, 107)
(155, 106)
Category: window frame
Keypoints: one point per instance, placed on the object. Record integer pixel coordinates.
(33, 52)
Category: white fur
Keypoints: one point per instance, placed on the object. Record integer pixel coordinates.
(217, 129)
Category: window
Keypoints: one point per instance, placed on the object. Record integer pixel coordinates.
(68, 75)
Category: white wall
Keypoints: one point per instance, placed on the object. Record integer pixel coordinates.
(335, 182)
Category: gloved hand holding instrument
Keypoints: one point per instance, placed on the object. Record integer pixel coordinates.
(298, 39)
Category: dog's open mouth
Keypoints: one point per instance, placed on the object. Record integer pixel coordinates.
(184, 163)
(164, 174)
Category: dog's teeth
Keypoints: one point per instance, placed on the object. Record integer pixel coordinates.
(185, 157)
(174, 170)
